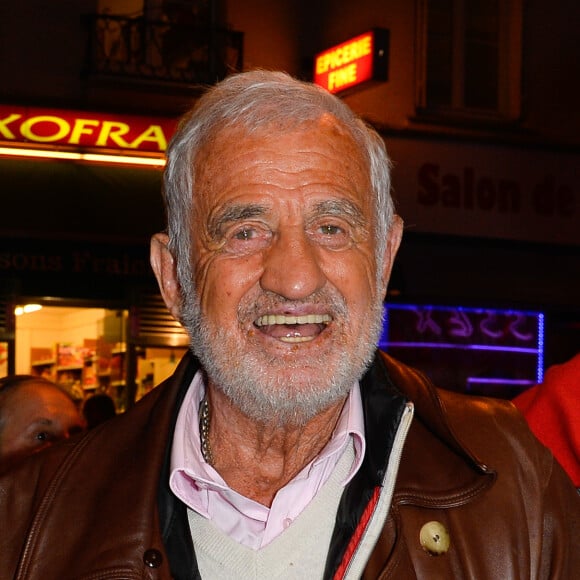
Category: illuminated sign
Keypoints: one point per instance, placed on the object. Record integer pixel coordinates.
(83, 130)
(358, 60)
(481, 351)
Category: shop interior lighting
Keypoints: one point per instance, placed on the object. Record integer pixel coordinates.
(27, 308)
(90, 157)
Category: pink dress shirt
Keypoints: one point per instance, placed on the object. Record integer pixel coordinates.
(250, 523)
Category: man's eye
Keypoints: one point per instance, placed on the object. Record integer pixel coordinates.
(332, 236)
(43, 436)
(331, 230)
(247, 239)
(245, 234)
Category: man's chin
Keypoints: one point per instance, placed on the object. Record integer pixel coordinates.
(284, 394)
(283, 408)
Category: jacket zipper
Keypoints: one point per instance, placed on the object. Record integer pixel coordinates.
(359, 557)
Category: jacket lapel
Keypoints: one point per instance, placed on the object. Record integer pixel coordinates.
(383, 407)
(436, 470)
(172, 512)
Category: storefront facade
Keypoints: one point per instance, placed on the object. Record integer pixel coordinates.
(487, 184)
(82, 198)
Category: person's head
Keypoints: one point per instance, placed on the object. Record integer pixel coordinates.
(281, 238)
(34, 414)
(98, 409)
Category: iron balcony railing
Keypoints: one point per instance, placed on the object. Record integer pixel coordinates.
(162, 51)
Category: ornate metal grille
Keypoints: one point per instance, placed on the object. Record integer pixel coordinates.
(162, 51)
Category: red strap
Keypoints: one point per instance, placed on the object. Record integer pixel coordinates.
(355, 539)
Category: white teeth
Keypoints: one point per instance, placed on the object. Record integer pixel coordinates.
(296, 338)
(270, 319)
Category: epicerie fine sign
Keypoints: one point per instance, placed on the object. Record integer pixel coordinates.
(356, 61)
(25, 125)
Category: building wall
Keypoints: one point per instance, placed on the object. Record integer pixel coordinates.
(463, 243)
(552, 70)
(272, 33)
(43, 44)
(389, 104)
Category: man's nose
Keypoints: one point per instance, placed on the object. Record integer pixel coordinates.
(292, 266)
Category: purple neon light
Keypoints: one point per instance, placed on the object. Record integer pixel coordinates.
(460, 309)
(499, 381)
(540, 365)
(460, 346)
(539, 351)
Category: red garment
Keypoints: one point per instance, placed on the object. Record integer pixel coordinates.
(552, 410)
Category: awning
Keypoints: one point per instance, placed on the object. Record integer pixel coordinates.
(56, 199)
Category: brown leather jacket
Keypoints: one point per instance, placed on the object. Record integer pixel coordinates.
(98, 507)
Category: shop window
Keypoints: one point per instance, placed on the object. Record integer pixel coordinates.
(3, 358)
(469, 59)
(6, 336)
(84, 350)
(88, 350)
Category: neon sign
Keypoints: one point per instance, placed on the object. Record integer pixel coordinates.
(476, 350)
(80, 129)
(358, 60)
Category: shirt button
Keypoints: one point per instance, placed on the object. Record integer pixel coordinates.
(152, 558)
(434, 538)
(286, 522)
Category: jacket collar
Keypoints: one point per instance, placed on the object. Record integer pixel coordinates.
(436, 469)
(172, 512)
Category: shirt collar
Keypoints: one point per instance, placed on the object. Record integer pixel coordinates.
(187, 459)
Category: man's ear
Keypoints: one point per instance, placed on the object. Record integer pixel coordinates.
(393, 241)
(164, 268)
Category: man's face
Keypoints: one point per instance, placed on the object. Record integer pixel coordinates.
(35, 416)
(288, 304)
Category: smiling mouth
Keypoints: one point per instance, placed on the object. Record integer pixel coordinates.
(289, 328)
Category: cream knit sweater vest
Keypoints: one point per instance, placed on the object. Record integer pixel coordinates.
(298, 553)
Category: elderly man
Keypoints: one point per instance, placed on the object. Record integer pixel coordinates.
(285, 445)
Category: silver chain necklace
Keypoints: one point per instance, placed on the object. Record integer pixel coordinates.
(204, 422)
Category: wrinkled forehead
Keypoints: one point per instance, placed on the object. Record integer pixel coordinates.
(332, 133)
(310, 164)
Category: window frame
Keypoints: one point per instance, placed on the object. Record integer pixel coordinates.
(509, 75)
